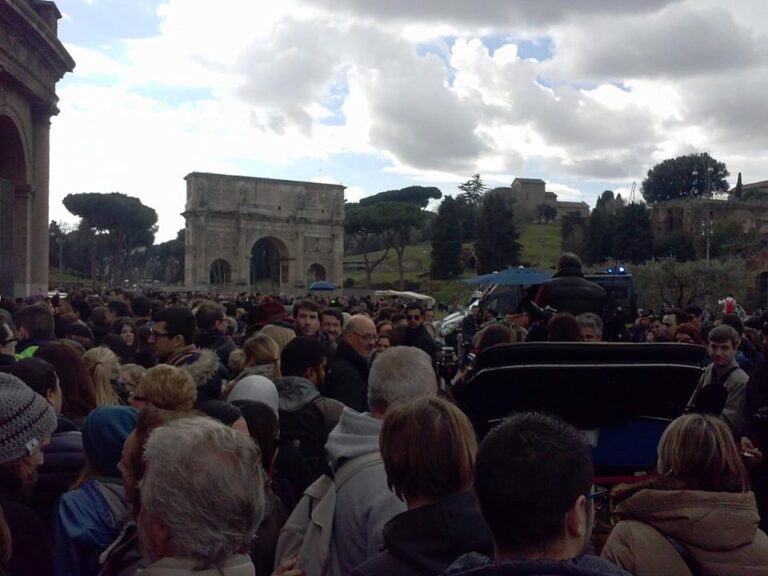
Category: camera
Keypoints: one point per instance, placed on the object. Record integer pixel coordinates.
(447, 363)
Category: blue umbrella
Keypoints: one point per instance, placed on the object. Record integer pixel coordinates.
(322, 285)
(512, 277)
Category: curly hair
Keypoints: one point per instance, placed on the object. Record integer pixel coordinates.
(168, 387)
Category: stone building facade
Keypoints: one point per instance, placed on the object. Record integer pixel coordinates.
(32, 61)
(689, 215)
(243, 232)
(527, 194)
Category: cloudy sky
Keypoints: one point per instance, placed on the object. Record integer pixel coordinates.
(382, 94)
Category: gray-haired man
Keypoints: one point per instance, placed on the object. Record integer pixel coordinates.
(202, 500)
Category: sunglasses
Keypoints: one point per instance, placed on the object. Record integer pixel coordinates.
(412, 317)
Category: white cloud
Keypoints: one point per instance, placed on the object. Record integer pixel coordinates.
(435, 90)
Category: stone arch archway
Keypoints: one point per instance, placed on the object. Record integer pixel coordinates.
(220, 273)
(315, 273)
(13, 177)
(268, 263)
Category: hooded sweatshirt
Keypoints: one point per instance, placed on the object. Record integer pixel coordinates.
(719, 530)
(295, 392)
(364, 504)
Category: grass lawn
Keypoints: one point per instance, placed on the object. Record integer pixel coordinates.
(540, 245)
(540, 249)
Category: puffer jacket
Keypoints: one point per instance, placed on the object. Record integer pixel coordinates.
(569, 291)
(64, 460)
(718, 529)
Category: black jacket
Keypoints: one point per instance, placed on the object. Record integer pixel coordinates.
(220, 343)
(586, 565)
(64, 459)
(420, 338)
(569, 291)
(427, 540)
(347, 379)
(31, 554)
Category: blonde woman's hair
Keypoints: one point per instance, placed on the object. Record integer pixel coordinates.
(169, 388)
(279, 334)
(236, 362)
(104, 367)
(699, 451)
(262, 349)
(428, 447)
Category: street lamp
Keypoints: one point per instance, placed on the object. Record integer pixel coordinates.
(707, 194)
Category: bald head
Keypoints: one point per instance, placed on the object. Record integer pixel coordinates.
(360, 334)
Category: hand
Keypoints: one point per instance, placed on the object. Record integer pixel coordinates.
(752, 456)
(288, 568)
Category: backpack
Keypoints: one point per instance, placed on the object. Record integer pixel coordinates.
(305, 429)
(308, 530)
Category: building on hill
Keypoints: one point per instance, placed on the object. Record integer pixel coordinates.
(581, 208)
(527, 194)
(753, 191)
(689, 215)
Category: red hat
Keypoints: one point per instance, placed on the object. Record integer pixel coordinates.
(267, 313)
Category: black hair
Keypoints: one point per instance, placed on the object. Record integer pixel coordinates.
(307, 304)
(37, 320)
(263, 427)
(530, 470)
(179, 321)
(225, 413)
(733, 321)
(142, 306)
(299, 355)
(36, 373)
(119, 307)
(82, 308)
(414, 306)
(335, 312)
(207, 314)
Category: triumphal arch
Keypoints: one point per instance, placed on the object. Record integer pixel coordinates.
(262, 234)
(32, 60)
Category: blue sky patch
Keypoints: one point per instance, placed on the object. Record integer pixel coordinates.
(104, 21)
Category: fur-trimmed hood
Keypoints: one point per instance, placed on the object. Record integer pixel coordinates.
(203, 365)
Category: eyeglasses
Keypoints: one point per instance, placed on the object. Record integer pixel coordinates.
(601, 498)
(366, 337)
(412, 317)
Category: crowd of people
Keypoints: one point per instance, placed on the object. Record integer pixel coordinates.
(171, 434)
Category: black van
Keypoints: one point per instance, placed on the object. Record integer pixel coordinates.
(621, 292)
(619, 287)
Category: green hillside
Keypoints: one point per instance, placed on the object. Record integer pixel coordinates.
(540, 249)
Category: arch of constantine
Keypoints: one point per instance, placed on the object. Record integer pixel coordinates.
(32, 60)
(246, 233)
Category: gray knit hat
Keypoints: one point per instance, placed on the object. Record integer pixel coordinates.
(26, 419)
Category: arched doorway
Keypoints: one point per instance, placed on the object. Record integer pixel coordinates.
(315, 273)
(12, 175)
(266, 268)
(221, 273)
